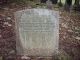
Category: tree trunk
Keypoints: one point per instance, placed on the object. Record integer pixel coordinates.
(77, 5)
(60, 3)
(60, 0)
(77, 2)
(43, 1)
(68, 4)
(54, 1)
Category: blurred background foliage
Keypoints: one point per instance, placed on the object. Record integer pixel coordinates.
(67, 4)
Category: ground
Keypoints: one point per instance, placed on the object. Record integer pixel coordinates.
(69, 41)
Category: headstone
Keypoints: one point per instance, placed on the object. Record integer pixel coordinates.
(37, 32)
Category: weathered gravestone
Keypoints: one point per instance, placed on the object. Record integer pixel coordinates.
(37, 32)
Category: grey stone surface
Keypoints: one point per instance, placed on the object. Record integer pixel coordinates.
(37, 32)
